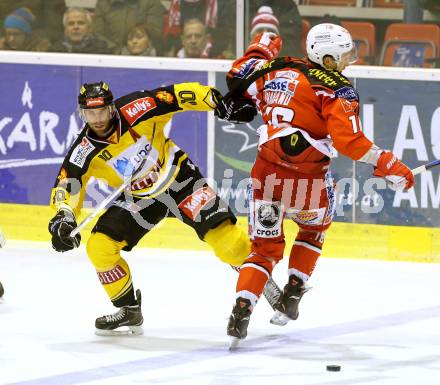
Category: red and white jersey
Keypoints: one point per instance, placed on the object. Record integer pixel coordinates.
(293, 95)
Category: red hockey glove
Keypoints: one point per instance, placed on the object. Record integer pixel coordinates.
(394, 171)
(266, 45)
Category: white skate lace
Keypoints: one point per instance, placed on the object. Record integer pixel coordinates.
(118, 316)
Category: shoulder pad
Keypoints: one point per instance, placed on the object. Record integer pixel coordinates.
(330, 79)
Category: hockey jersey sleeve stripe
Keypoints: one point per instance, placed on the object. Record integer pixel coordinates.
(325, 93)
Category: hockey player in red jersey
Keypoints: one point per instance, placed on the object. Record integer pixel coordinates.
(310, 111)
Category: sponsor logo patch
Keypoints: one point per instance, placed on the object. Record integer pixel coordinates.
(111, 276)
(308, 217)
(277, 85)
(62, 175)
(268, 215)
(287, 74)
(268, 219)
(348, 93)
(95, 102)
(329, 185)
(193, 204)
(130, 159)
(79, 154)
(137, 108)
(249, 67)
(346, 105)
(279, 91)
(148, 180)
(165, 97)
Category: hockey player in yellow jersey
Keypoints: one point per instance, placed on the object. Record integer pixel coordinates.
(119, 137)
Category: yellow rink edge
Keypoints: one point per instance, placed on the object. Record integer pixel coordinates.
(343, 240)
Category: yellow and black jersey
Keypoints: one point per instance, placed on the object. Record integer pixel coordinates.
(138, 142)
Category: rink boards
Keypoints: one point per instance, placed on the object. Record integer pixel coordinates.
(343, 240)
(400, 111)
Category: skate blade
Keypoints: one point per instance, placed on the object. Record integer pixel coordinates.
(279, 319)
(234, 342)
(127, 331)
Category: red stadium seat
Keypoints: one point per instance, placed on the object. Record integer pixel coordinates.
(388, 3)
(410, 45)
(364, 36)
(341, 3)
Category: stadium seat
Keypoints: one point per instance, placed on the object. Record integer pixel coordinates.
(410, 45)
(341, 3)
(304, 31)
(364, 36)
(388, 3)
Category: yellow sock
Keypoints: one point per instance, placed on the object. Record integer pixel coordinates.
(113, 271)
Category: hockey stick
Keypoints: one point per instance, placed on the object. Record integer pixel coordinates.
(425, 167)
(106, 201)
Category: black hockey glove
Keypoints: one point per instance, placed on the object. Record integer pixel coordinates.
(235, 109)
(60, 227)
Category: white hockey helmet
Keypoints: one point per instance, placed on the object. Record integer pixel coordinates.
(330, 39)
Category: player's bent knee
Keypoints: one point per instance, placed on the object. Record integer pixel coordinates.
(230, 244)
(103, 251)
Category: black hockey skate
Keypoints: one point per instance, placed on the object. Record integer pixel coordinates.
(239, 321)
(128, 320)
(287, 305)
(2, 291)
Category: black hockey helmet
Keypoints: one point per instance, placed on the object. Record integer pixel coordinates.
(94, 95)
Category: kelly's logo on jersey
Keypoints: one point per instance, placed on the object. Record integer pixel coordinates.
(192, 205)
(137, 108)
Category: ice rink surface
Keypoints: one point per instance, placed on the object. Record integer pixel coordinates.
(379, 320)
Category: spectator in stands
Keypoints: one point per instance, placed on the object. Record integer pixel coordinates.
(264, 21)
(328, 18)
(290, 28)
(78, 34)
(219, 22)
(139, 42)
(48, 15)
(432, 6)
(195, 40)
(114, 18)
(51, 25)
(18, 34)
